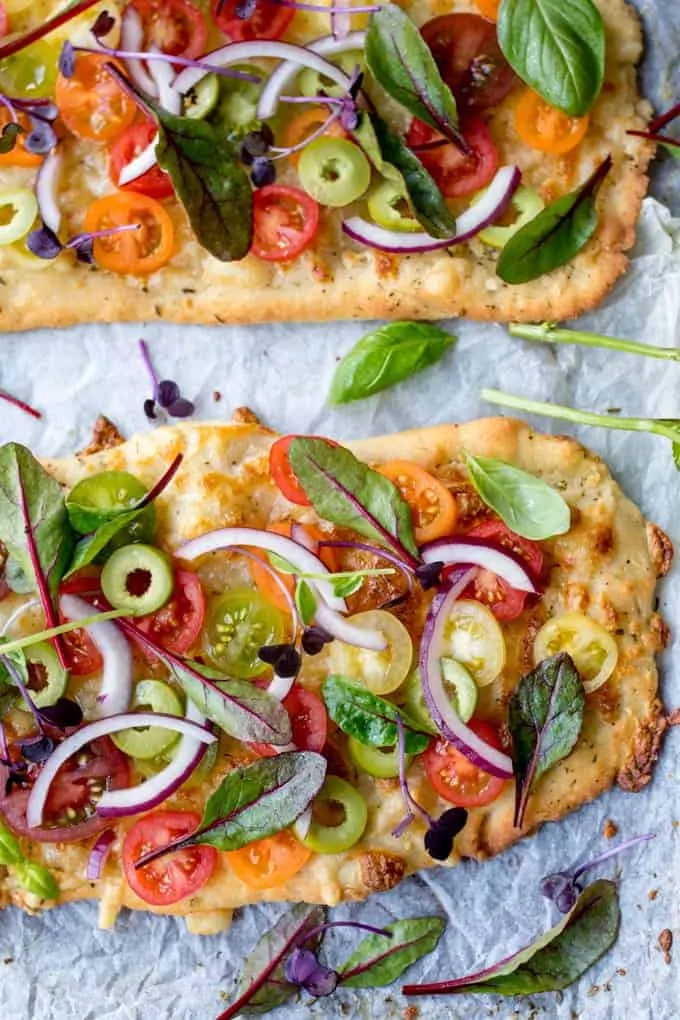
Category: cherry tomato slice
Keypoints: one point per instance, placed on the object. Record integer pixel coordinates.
(4, 21)
(505, 603)
(19, 155)
(282, 473)
(309, 722)
(285, 222)
(544, 128)
(269, 862)
(70, 810)
(176, 27)
(432, 505)
(177, 626)
(91, 103)
(489, 8)
(138, 252)
(155, 182)
(466, 51)
(83, 655)
(455, 778)
(457, 173)
(305, 124)
(268, 19)
(264, 580)
(177, 875)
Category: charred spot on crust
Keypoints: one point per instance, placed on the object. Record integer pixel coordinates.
(660, 549)
(638, 769)
(105, 436)
(380, 870)
(244, 416)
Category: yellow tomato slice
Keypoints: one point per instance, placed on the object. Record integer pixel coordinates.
(269, 862)
(474, 638)
(593, 649)
(432, 505)
(381, 672)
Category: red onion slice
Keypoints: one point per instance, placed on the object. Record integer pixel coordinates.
(132, 40)
(303, 824)
(152, 792)
(432, 650)
(479, 553)
(102, 728)
(100, 851)
(345, 630)
(164, 76)
(341, 21)
(141, 164)
(25, 607)
(280, 687)
(493, 204)
(47, 190)
(299, 557)
(115, 689)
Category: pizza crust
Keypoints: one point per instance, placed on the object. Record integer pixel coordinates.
(341, 280)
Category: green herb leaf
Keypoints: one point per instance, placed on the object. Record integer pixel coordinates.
(9, 136)
(260, 799)
(89, 548)
(345, 492)
(387, 356)
(305, 600)
(283, 566)
(38, 880)
(10, 851)
(343, 587)
(556, 48)
(546, 332)
(368, 718)
(556, 235)
(401, 62)
(552, 962)
(528, 505)
(379, 960)
(545, 717)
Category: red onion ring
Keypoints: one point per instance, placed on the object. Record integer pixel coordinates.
(115, 689)
(341, 21)
(279, 688)
(164, 76)
(344, 630)
(132, 39)
(98, 855)
(47, 190)
(479, 553)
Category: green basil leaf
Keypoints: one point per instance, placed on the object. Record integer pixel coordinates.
(343, 587)
(557, 48)
(278, 563)
(345, 492)
(368, 718)
(10, 851)
(379, 960)
(260, 799)
(387, 356)
(365, 136)
(528, 505)
(556, 235)
(89, 547)
(38, 880)
(555, 960)
(401, 62)
(545, 717)
(305, 600)
(263, 985)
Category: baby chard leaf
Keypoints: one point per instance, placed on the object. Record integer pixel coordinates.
(381, 959)
(368, 718)
(528, 505)
(555, 960)
(545, 716)
(89, 547)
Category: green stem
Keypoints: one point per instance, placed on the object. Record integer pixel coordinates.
(65, 628)
(547, 334)
(342, 574)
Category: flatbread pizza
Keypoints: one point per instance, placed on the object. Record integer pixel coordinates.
(288, 165)
(299, 671)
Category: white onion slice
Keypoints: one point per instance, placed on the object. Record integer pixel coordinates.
(432, 650)
(490, 207)
(341, 21)
(299, 557)
(132, 40)
(285, 74)
(116, 684)
(25, 607)
(164, 76)
(480, 554)
(303, 824)
(344, 630)
(140, 165)
(102, 728)
(280, 687)
(152, 792)
(47, 190)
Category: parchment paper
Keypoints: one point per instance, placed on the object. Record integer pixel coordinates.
(61, 967)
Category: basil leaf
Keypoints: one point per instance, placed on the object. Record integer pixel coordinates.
(263, 984)
(260, 799)
(89, 547)
(370, 719)
(345, 492)
(379, 960)
(545, 717)
(528, 505)
(556, 48)
(555, 960)
(10, 850)
(387, 356)
(556, 235)
(37, 880)
(401, 62)
(305, 601)
(343, 587)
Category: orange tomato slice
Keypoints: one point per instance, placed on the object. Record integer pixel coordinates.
(269, 862)
(91, 104)
(138, 252)
(489, 8)
(263, 579)
(305, 124)
(544, 128)
(432, 505)
(19, 155)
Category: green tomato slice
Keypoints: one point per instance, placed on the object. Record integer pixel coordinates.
(413, 701)
(148, 768)
(325, 837)
(239, 623)
(314, 83)
(236, 109)
(31, 73)
(388, 206)
(202, 99)
(47, 677)
(334, 171)
(139, 578)
(460, 687)
(18, 210)
(150, 741)
(526, 204)
(114, 490)
(381, 762)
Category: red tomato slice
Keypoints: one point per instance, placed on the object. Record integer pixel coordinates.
(155, 183)
(176, 876)
(100, 763)
(505, 603)
(455, 778)
(4, 21)
(176, 27)
(285, 222)
(458, 174)
(84, 582)
(268, 19)
(177, 626)
(282, 473)
(83, 655)
(309, 722)
(466, 51)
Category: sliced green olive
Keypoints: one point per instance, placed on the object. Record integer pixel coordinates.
(150, 741)
(460, 687)
(388, 206)
(339, 817)
(239, 623)
(202, 98)
(149, 767)
(526, 204)
(314, 83)
(381, 762)
(334, 171)
(111, 490)
(139, 578)
(18, 210)
(47, 677)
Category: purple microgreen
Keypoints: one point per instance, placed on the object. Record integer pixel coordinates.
(166, 396)
(43, 109)
(63, 715)
(42, 138)
(44, 243)
(285, 659)
(82, 241)
(150, 409)
(281, 153)
(167, 392)
(263, 172)
(18, 682)
(323, 9)
(148, 365)
(314, 639)
(67, 60)
(163, 58)
(181, 408)
(429, 575)
(304, 969)
(256, 143)
(162, 483)
(563, 887)
(4, 746)
(37, 749)
(404, 568)
(653, 136)
(12, 46)
(665, 118)
(244, 9)
(104, 24)
(21, 404)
